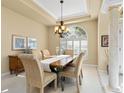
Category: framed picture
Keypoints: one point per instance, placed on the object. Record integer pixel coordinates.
(32, 43)
(18, 42)
(104, 41)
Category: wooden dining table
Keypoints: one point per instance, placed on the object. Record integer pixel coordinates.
(56, 63)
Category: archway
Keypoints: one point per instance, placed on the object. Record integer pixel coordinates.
(75, 39)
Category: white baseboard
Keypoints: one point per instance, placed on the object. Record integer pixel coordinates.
(99, 70)
(91, 65)
(5, 74)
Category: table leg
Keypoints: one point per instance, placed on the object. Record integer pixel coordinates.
(58, 79)
(62, 85)
(57, 71)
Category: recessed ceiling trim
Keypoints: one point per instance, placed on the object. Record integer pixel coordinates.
(37, 8)
(28, 9)
(45, 9)
(107, 4)
(74, 16)
(78, 20)
(66, 16)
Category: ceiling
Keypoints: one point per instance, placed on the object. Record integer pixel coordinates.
(71, 8)
(47, 12)
(109, 3)
(28, 9)
(115, 1)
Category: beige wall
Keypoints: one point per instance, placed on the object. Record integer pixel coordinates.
(54, 40)
(91, 28)
(14, 23)
(103, 28)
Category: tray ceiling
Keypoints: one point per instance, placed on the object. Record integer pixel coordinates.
(108, 3)
(71, 8)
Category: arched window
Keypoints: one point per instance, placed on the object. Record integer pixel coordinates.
(75, 39)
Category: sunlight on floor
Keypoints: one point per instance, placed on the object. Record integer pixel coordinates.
(4, 91)
(90, 83)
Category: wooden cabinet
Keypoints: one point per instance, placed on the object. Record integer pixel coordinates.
(15, 65)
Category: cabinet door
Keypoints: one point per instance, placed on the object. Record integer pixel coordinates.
(20, 65)
(13, 62)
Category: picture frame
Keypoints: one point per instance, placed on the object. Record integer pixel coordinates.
(31, 43)
(104, 41)
(18, 42)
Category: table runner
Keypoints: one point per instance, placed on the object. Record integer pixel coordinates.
(64, 59)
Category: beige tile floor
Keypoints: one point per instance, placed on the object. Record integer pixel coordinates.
(90, 84)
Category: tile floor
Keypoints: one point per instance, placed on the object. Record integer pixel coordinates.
(90, 83)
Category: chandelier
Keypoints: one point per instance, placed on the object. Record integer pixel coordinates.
(61, 28)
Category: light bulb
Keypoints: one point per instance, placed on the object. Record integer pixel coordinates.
(60, 31)
(63, 27)
(56, 28)
(67, 29)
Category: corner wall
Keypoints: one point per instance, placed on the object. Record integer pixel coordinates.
(103, 29)
(14, 23)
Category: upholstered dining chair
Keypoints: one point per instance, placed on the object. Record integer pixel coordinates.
(35, 75)
(73, 72)
(45, 54)
(69, 52)
(73, 64)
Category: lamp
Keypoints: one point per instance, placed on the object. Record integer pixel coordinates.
(61, 28)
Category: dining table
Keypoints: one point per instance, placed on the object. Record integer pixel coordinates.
(57, 63)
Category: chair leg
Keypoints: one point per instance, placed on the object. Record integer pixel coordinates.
(55, 84)
(80, 80)
(63, 79)
(77, 82)
(31, 89)
(28, 88)
(41, 90)
(81, 73)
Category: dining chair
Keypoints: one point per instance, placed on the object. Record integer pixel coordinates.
(69, 52)
(45, 54)
(73, 72)
(35, 75)
(73, 63)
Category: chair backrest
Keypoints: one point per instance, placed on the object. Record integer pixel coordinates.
(45, 53)
(33, 69)
(79, 62)
(69, 52)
